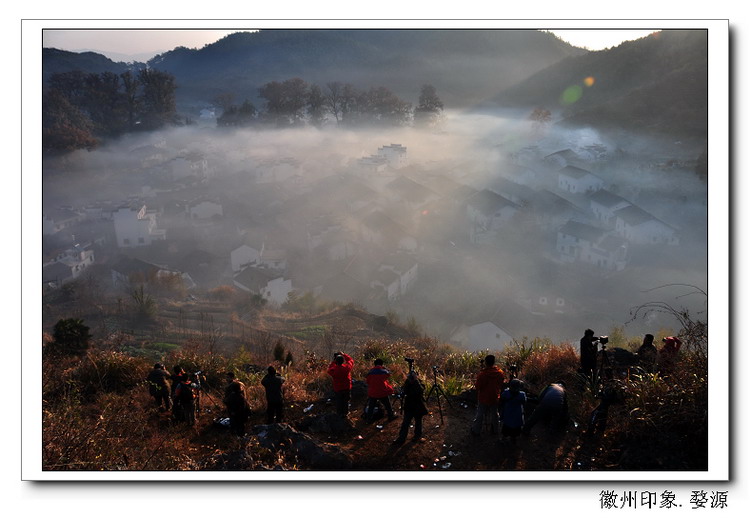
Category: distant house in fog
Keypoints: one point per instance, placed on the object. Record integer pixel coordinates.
(487, 213)
(409, 193)
(395, 155)
(577, 180)
(203, 208)
(642, 228)
(585, 244)
(67, 265)
(136, 227)
(378, 229)
(271, 286)
(57, 219)
(372, 164)
(562, 158)
(396, 274)
(550, 211)
(245, 255)
(186, 165)
(604, 204)
(127, 271)
(277, 170)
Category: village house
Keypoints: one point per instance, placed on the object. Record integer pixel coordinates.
(265, 283)
(405, 267)
(519, 194)
(203, 208)
(127, 271)
(576, 180)
(411, 195)
(372, 164)
(642, 228)
(188, 165)
(378, 229)
(550, 210)
(395, 155)
(604, 204)
(488, 212)
(484, 328)
(581, 243)
(135, 226)
(67, 265)
(57, 219)
(278, 170)
(562, 158)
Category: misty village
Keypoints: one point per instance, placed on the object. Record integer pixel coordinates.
(429, 205)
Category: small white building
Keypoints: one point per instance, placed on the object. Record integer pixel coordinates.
(404, 267)
(642, 228)
(54, 220)
(487, 213)
(136, 227)
(269, 285)
(395, 155)
(480, 336)
(372, 164)
(577, 180)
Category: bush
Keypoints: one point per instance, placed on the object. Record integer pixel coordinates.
(108, 371)
(552, 364)
(69, 337)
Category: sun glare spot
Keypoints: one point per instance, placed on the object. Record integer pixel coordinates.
(589, 81)
(571, 95)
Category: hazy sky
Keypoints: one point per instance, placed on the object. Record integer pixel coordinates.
(153, 41)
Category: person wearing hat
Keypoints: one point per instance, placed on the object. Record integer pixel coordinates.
(513, 401)
(158, 386)
(379, 391)
(340, 371)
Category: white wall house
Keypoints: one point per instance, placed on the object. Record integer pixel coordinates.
(604, 204)
(243, 256)
(278, 170)
(136, 227)
(272, 287)
(480, 336)
(573, 179)
(388, 281)
(54, 220)
(190, 164)
(405, 267)
(582, 243)
(642, 228)
(372, 164)
(395, 155)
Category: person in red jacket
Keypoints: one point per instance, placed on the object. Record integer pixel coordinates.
(488, 385)
(668, 353)
(379, 390)
(341, 373)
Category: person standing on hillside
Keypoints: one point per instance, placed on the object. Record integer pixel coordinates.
(414, 408)
(340, 371)
(237, 406)
(274, 395)
(588, 353)
(184, 396)
(647, 353)
(488, 385)
(158, 386)
(668, 353)
(176, 377)
(379, 390)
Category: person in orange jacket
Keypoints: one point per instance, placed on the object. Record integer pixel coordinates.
(379, 390)
(488, 385)
(340, 371)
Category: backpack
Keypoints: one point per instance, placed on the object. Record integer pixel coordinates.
(185, 392)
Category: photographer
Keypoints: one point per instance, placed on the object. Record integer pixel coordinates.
(379, 390)
(340, 371)
(237, 406)
(489, 384)
(158, 386)
(647, 354)
(414, 408)
(552, 408)
(274, 397)
(588, 353)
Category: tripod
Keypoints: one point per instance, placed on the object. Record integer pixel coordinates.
(438, 392)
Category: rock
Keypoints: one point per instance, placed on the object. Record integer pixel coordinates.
(316, 454)
(329, 423)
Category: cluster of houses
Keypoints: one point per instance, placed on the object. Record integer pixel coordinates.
(355, 233)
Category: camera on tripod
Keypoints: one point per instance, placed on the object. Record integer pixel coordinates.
(411, 363)
(602, 341)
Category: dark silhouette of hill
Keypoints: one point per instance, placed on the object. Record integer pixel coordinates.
(465, 66)
(57, 61)
(658, 83)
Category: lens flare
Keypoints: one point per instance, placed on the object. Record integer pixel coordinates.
(589, 81)
(571, 95)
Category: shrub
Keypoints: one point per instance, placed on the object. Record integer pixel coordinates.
(108, 371)
(69, 337)
(554, 363)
